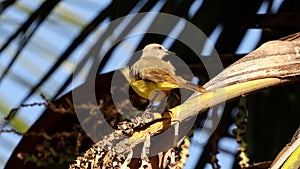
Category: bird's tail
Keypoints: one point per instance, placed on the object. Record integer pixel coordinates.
(191, 86)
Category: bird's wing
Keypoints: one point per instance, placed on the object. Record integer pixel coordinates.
(159, 71)
(158, 75)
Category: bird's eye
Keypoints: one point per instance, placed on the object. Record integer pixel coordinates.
(160, 48)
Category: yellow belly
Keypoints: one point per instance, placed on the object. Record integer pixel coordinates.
(143, 87)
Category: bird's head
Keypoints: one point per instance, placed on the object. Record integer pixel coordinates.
(155, 50)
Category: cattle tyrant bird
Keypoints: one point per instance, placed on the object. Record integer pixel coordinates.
(151, 73)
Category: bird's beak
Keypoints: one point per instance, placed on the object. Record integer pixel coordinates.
(170, 52)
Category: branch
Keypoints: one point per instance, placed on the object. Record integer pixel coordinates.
(273, 63)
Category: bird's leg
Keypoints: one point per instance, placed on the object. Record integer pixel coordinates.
(156, 106)
(151, 112)
(157, 99)
(157, 102)
(152, 100)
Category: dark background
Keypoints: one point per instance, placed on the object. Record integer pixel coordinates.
(273, 114)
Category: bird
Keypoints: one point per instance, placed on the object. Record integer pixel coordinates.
(151, 73)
